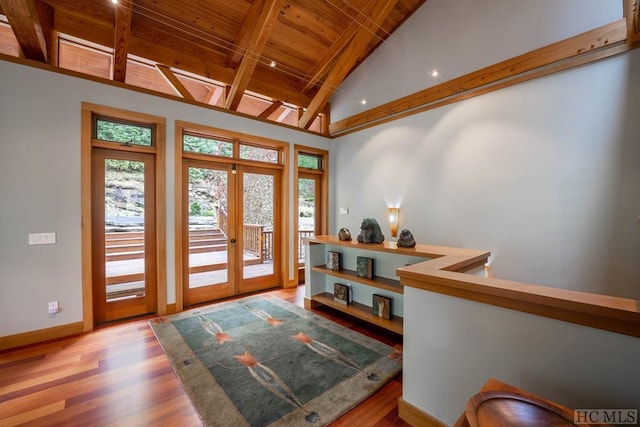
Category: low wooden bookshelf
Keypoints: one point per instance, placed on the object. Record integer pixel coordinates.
(351, 276)
(387, 258)
(361, 311)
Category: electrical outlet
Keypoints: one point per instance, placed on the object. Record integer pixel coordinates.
(53, 307)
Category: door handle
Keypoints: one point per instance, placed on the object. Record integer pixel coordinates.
(232, 240)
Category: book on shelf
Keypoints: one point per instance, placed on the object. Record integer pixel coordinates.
(381, 306)
(334, 260)
(342, 293)
(364, 267)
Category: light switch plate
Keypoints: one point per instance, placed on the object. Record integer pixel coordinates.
(344, 211)
(42, 238)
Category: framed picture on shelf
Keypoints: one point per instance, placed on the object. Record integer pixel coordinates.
(334, 260)
(364, 267)
(342, 293)
(381, 306)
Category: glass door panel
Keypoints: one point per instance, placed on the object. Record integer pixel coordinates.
(225, 203)
(207, 256)
(124, 267)
(124, 225)
(259, 229)
(307, 212)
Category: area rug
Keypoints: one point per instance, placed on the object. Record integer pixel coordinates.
(262, 361)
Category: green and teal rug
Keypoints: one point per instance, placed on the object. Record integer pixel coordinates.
(261, 361)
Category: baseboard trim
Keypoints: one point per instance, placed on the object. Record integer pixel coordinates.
(416, 416)
(41, 335)
(171, 308)
(291, 283)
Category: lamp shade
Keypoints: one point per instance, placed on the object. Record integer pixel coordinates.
(393, 220)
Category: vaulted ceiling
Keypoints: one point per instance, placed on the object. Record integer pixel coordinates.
(287, 51)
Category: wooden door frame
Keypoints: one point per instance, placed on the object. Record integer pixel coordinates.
(115, 310)
(180, 128)
(323, 208)
(88, 110)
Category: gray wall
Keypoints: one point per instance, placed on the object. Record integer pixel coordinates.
(452, 346)
(40, 185)
(545, 175)
(457, 37)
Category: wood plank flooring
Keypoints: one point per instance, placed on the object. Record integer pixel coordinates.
(119, 376)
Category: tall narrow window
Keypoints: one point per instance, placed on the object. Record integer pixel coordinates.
(311, 198)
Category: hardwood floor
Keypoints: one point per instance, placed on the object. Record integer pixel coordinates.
(119, 376)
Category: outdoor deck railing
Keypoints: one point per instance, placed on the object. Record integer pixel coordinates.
(257, 241)
(252, 240)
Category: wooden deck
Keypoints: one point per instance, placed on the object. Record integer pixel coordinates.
(124, 256)
(216, 273)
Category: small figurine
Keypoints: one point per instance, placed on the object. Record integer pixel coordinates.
(406, 240)
(344, 234)
(370, 232)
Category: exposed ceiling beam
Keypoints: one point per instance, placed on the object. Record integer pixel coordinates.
(27, 27)
(46, 14)
(347, 59)
(213, 95)
(177, 51)
(174, 82)
(323, 64)
(261, 30)
(281, 118)
(123, 12)
(593, 45)
(632, 15)
(240, 44)
(270, 109)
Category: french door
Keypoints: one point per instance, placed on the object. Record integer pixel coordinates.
(231, 233)
(123, 234)
(260, 228)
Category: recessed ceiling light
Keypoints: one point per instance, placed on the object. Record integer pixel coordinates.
(363, 101)
(273, 64)
(434, 73)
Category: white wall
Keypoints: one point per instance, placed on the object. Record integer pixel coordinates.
(40, 185)
(545, 175)
(457, 37)
(452, 346)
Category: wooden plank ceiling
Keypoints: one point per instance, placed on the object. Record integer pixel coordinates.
(294, 52)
